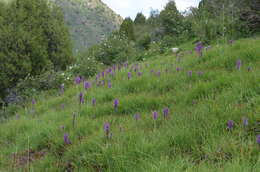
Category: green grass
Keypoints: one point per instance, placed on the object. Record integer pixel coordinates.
(194, 138)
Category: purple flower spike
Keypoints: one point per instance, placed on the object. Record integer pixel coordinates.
(231, 42)
(190, 73)
(158, 73)
(107, 128)
(66, 139)
(139, 73)
(109, 84)
(86, 85)
(33, 101)
(129, 75)
(238, 64)
(81, 98)
(137, 117)
(94, 101)
(198, 48)
(155, 115)
(258, 139)
(245, 121)
(200, 73)
(77, 80)
(178, 69)
(165, 112)
(230, 124)
(116, 103)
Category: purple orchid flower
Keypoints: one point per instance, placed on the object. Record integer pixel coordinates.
(238, 64)
(166, 112)
(258, 139)
(129, 75)
(230, 124)
(137, 116)
(66, 139)
(77, 80)
(155, 115)
(116, 103)
(81, 98)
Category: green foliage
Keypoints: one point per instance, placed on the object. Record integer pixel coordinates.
(115, 49)
(225, 18)
(139, 19)
(127, 28)
(171, 20)
(86, 64)
(33, 37)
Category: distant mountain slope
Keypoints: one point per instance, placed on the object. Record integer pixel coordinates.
(89, 20)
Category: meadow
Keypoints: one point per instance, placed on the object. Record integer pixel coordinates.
(168, 113)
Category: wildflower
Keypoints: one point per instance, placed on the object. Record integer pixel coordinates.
(107, 128)
(103, 74)
(77, 80)
(129, 75)
(158, 73)
(155, 115)
(109, 84)
(230, 124)
(165, 112)
(152, 71)
(245, 121)
(139, 73)
(200, 73)
(116, 103)
(198, 48)
(66, 139)
(137, 116)
(94, 101)
(258, 139)
(190, 73)
(86, 85)
(231, 42)
(178, 69)
(238, 64)
(81, 98)
(33, 101)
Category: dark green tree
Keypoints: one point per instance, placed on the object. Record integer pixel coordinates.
(127, 28)
(33, 39)
(140, 19)
(171, 19)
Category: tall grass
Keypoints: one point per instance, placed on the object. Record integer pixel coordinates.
(193, 138)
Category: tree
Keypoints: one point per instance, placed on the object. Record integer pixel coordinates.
(171, 19)
(140, 19)
(33, 39)
(127, 28)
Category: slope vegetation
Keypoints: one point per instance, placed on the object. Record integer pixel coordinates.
(203, 94)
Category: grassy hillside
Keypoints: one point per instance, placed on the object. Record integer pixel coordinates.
(89, 20)
(202, 94)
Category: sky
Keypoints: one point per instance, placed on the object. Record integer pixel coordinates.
(130, 8)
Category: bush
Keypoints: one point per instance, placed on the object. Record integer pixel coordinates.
(86, 64)
(115, 49)
(25, 48)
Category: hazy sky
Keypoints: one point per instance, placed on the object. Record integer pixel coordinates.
(131, 7)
